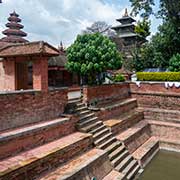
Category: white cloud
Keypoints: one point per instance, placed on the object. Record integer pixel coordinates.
(58, 20)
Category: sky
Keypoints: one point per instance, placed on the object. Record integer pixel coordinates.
(62, 20)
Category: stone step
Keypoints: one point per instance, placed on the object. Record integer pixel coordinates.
(103, 139)
(100, 134)
(124, 163)
(82, 108)
(92, 126)
(114, 175)
(98, 129)
(107, 143)
(83, 113)
(87, 122)
(114, 109)
(20, 139)
(122, 103)
(115, 162)
(116, 152)
(74, 101)
(166, 130)
(146, 152)
(113, 147)
(162, 114)
(122, 122)
(85, 117)
(32, 163)
(133, 173)
(80, 105)
(170, 144)
(94, 163)
(130, 167)
(135, 136)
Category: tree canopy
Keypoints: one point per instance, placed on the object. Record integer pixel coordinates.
(92, 54)
(169, 9)
(166, 42)
(143, 28)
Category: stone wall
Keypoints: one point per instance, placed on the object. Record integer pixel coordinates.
(25, 107)
(156, 95)
(105, 93)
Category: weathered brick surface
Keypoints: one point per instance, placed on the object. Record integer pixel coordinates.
(105, 93)
(114, 111)
(94, 163)
(9, 75)
(162, 114)
(121, 123)
(40, 74)
(21, 108)
(1, 76)
(15, 141)
(156, 96)
(165, 130)
(29, 165)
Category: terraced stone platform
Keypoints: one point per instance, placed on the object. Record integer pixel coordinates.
(93, 163)
(104, 139)
(32, 163)
(26, 137)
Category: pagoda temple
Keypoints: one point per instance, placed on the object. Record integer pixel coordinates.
(126, 31)
(14, 34)
(126, 38)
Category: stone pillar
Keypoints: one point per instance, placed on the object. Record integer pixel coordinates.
(9, 75)
(1, 76)
(40, 74)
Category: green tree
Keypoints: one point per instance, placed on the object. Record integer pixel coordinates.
(92, 54)
(174, 64)
(143, 28)
(169, 9)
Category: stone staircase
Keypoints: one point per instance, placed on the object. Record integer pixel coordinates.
(130, 127)
(50, 150)
(104, 139)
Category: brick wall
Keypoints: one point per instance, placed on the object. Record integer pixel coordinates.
(24, 107)
(105, 93)
(155, 95)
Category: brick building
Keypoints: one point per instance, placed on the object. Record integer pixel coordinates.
(57, 74)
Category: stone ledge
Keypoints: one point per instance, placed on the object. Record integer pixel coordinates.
(151, 93)
(114, 175)
(32, 92)
(85, 166)
(170, 144)
(7, 135)
(50, 154)
(118, 104)
(147, 151)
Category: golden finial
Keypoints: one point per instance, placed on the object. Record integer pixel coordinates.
(126, 13)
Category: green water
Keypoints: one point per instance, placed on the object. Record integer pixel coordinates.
(164, 166)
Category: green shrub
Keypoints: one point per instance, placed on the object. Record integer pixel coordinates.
(174, 63)
(118, 78)
(158, 76)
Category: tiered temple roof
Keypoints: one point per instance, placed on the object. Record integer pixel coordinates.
(14, 34)
(126, 29)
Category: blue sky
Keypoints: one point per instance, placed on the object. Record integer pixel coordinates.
(61, 20)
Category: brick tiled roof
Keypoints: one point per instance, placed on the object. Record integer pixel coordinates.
(29, 49)
(3, 44)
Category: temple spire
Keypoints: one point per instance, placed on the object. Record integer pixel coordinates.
(14, 34)
(126, 13)
(61, 47)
